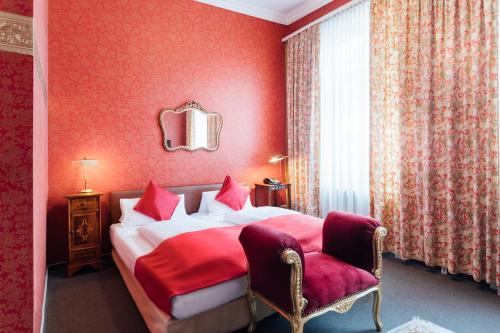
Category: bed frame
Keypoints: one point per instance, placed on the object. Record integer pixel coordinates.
(226, 318)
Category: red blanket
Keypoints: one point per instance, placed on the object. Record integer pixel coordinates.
(204, 258)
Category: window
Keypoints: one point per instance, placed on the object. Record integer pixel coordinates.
(345, 110)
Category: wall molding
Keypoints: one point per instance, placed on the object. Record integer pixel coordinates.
(305, 9)
(243, 7)
(16, 33)
(247, 9)
(328, 15)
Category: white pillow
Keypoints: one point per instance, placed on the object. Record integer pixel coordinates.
(132, 218)
(214, 207)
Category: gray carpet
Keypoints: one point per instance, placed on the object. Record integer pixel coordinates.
(99, 302)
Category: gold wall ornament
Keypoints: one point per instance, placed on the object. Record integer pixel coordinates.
(16, 33)
(190, 127)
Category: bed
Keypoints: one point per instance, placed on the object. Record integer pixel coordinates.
(219, 308)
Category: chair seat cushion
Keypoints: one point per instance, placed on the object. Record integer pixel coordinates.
(328, 279)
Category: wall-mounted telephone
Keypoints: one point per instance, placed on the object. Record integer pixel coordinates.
(271, 181)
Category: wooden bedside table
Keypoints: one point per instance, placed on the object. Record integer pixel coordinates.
(271, 192)
(84, 231)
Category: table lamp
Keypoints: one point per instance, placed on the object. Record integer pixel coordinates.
(85, 163)
(279, 159)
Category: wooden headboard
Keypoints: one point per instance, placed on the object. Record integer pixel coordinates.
(192, 198)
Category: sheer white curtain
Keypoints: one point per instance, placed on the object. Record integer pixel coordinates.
(345, 111)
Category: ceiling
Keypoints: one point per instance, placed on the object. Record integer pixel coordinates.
(279, 11)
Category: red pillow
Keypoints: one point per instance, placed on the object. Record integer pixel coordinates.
(157, 203)
(232, 194)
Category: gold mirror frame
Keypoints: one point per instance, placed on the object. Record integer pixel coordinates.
(191, 105)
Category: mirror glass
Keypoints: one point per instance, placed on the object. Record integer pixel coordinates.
(191, 128)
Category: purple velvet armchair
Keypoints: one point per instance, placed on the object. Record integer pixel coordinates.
(301, 286)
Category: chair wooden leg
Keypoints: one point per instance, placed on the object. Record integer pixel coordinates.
(377, 302)
(297, 325)
(253, 312)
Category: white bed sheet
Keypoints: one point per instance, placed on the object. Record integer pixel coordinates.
(130, 245)
(249, 215)
(219, 219)
(156, 233)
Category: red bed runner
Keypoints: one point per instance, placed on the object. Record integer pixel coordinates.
(200, 259)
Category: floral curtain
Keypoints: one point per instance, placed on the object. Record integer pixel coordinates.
(302, 85)
(434, 149)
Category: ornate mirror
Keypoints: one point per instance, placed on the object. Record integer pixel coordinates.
(190, 127)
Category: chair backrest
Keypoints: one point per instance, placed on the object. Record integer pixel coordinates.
(349, 237)
(268, 274)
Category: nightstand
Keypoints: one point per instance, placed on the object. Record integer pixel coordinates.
(84, 231)
(271, 194)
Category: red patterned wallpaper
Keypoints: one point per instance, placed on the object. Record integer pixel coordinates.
(331, 6)
(21, 7)
(114, 65)
(16, 196)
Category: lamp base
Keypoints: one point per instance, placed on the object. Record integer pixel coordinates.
(87, 190)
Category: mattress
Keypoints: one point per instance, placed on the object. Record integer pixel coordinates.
(129, 244)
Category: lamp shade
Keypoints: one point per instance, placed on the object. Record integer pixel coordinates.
(85, 162)
(277, 158)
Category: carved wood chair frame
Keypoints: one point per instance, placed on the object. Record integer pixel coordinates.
(299, 303)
